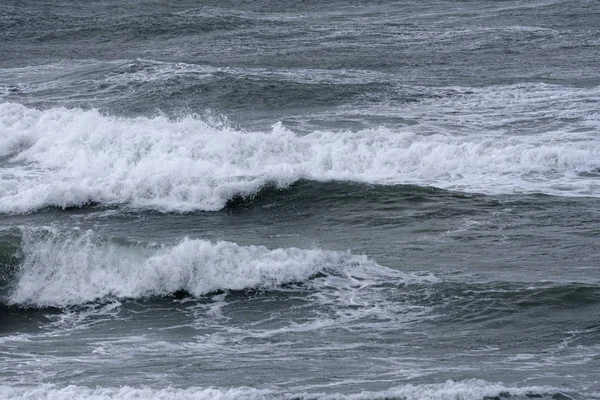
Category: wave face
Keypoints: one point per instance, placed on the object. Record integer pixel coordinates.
(70, 157)
(61, 269)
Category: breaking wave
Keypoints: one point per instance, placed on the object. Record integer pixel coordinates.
(60, 269)
(470, 389)
(71, 157)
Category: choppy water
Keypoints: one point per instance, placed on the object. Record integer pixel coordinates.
(310, 200)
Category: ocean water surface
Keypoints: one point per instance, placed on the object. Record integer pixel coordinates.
(300, 200)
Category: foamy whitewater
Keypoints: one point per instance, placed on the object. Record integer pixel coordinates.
(300, 200)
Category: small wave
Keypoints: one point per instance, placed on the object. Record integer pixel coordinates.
(492, 301)
(70, 157)
(470, 389)
(62, 269)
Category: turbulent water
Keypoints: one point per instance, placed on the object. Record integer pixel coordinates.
(300, 200)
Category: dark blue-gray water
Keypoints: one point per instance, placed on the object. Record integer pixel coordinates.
(300, 200)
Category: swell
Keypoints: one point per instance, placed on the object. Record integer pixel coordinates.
(306, 195)
(522, 302)
(130, 26)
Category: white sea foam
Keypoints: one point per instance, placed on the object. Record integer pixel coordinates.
(50, 392)
(62, 269)
(474, 389)
(70, 157)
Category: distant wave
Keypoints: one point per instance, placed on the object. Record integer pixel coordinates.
(71, 157)
(61, 269)
(469, 389)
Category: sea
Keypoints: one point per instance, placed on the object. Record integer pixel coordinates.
(260, 199)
